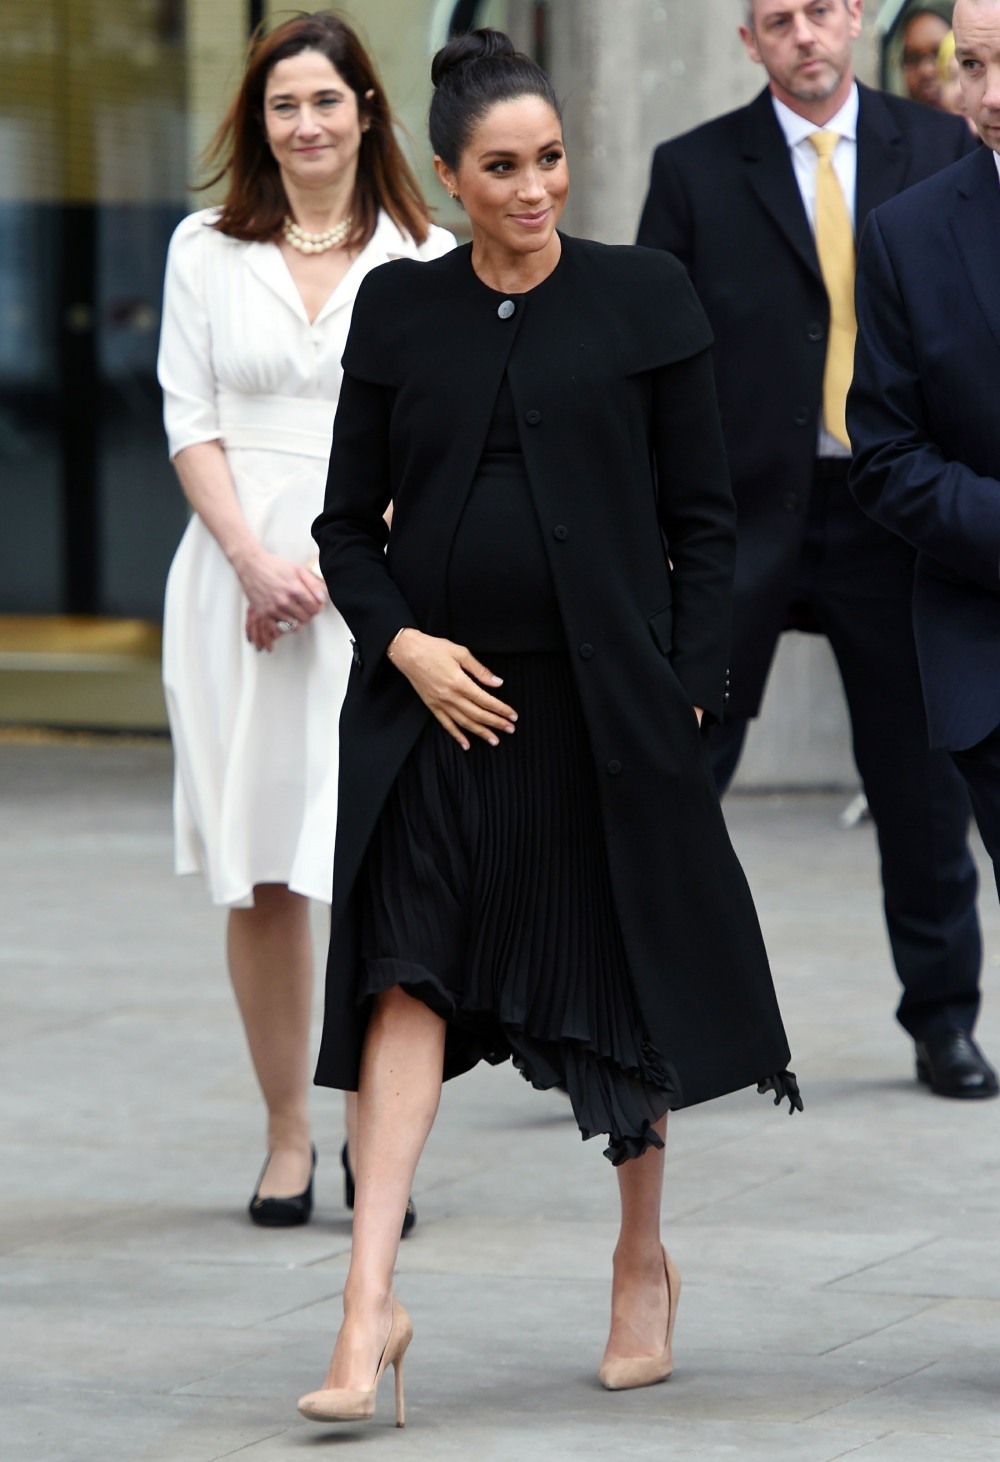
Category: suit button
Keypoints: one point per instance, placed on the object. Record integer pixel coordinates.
(560, 533)
(801, 417)
(586, 652)
(726, 698)
(532, 417)
(613, 768)
(815, 331)
(791, 501)
(506, 309)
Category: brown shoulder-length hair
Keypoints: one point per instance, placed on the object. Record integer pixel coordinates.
(255, 204)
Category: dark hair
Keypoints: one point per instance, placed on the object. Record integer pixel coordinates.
(473, 73)
(255, 203)
(918, 12)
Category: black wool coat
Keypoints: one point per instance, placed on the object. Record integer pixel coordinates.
(609, 370)
(724, 200)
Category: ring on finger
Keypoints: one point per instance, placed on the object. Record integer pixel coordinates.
(285, 626)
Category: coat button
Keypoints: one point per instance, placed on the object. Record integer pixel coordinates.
(560, 533)
(613, 768)
(791, 501)
(506, 309)
(815, 331)
(532, 417)
(801, 417)
(586, 652)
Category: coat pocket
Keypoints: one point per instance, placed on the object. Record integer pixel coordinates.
(661, 627)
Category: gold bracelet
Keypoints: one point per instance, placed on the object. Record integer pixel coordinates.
(388, 648)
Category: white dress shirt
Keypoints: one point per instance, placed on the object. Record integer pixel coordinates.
(805, 161)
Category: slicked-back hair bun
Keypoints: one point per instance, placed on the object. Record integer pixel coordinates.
(475, 45)
(472, 74)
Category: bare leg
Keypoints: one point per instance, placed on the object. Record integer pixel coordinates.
(398, 1099)
(270, 964)
(639, 1301)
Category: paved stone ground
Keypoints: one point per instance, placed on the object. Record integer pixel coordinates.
(841, 1269)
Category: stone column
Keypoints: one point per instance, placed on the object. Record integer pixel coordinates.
(631, 74)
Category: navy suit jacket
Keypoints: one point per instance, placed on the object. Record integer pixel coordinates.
(724, 199)
(924, 419)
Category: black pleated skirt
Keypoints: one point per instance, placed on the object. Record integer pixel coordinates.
(486, 894)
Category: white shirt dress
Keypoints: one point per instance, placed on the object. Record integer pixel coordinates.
(255, 734)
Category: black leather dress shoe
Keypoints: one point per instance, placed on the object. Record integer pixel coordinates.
(952, 1065)
(283, 1212)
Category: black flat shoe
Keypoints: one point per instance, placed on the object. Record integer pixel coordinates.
(952, 1065)
(282, 1212)
(409, 1217)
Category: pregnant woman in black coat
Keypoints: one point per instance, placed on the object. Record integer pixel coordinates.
(531, 861)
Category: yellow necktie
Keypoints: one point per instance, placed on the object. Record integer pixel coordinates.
(835, 247)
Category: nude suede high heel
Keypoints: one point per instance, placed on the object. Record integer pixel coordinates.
(341, 1404)
(647, 1370)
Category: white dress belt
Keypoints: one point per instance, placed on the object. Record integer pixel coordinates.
(276, 424)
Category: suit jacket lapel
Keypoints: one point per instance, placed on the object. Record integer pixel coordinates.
(882, 161)
(882, 155)
(975, 223)
(772, 177)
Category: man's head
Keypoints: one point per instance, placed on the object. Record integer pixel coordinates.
(805, 47)
(977, 46)
(922, 36)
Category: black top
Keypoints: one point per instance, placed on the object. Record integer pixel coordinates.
(500, 590)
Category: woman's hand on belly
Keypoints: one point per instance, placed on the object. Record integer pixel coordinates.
(449, 680)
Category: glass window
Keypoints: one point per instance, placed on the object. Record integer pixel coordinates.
(103, 104)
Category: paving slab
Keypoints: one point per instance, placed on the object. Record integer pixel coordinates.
(930, 1398)
(840, 1269)
(915, 1447)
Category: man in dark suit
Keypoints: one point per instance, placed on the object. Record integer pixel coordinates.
(924, 416)
(762, 206)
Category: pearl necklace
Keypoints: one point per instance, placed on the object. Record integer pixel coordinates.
(308, 243)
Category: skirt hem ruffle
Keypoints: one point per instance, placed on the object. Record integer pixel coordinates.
(607, 1097)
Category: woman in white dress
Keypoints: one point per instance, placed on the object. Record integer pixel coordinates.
(257, 306)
